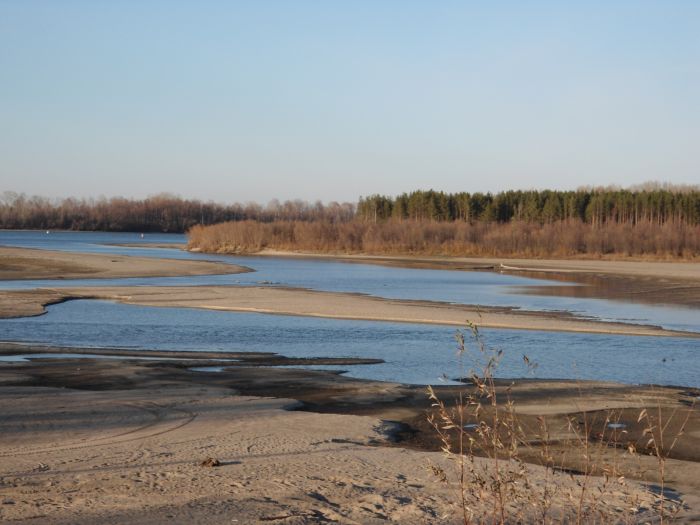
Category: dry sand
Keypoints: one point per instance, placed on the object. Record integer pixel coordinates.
(26, 263)
(133, 457)
(128, 450)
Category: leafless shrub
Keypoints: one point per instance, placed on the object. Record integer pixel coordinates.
(513, 239)
(483, 423)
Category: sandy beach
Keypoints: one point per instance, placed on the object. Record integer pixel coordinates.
(121, 441)
(654, 282)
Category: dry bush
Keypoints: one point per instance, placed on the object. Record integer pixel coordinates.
(514, 239)
(500, 489)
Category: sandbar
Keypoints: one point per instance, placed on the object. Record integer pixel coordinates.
(28, 263)
(310, 303)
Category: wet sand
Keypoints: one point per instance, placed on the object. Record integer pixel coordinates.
(88, 440)
(27, 263)
(294, 301)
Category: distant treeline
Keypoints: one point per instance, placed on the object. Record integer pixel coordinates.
(653, 221)
(161, 213)
(593, 206)
(457, 238)
(647, 222)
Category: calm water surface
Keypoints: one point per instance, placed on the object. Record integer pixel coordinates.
(413, 353)
(419, 354)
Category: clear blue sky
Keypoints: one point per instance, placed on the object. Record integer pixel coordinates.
(238, 101)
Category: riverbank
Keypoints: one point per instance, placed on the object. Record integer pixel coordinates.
(618, 266)
(94, 440)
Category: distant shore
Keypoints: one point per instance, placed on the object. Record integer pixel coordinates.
(618, 266)
(649, 282)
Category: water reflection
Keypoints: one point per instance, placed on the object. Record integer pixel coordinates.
(615, 287)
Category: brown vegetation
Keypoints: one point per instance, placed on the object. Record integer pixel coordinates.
(517, 238)
(484, 422)
(162, 213)
(652, 221)
(652, 203)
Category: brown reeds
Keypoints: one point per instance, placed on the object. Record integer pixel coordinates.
(514, 239)
(483, 436)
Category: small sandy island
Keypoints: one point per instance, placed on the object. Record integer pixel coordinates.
(127, 441)
(26, 263)
(291, 301)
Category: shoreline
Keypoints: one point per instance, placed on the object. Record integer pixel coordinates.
(617, 266)
(283, 437)
(262, 359)
(688, 269)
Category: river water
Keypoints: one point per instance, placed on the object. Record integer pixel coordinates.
(413, 353)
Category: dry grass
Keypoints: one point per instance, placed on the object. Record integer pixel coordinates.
(514, 239)
(483, 422)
